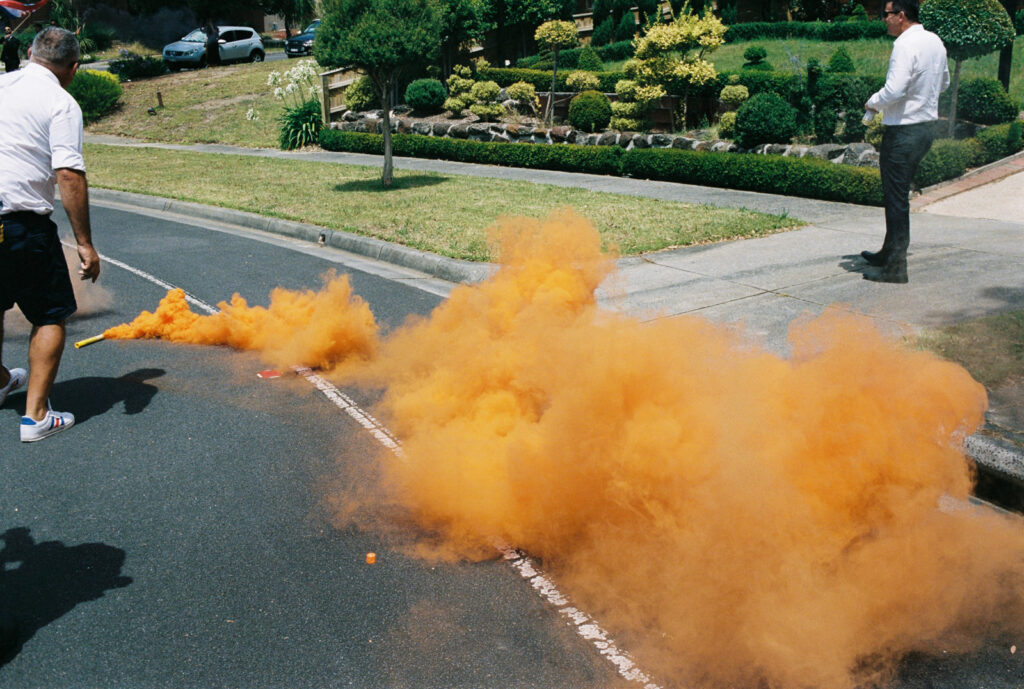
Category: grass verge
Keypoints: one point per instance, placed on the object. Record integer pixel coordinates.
(447, 215)
(990, 348)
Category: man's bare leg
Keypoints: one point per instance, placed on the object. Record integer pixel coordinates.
(45, 349)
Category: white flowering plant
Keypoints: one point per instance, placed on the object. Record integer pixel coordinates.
(302, 93)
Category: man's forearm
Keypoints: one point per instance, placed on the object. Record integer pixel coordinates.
(74, 194)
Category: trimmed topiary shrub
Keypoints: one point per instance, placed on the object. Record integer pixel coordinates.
(765, 118)
(755, 57)
(1001, 140)
(589, 60)
(734, 95)
(841, 62)
(946, 159)
(727, 125)
(590, 111)
(360, 95)
(96, 92)
(426, 95)
(484, 94)
(582, 81)
(985, 101)
(524, 94)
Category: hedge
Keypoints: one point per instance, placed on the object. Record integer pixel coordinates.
(807, 177)
(569, 59)
(949, 158)
(819, 31)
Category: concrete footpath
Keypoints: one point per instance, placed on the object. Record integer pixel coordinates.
(966, 259)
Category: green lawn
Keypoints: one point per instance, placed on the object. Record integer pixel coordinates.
(871, 56)
(443, 214)
(200, 106)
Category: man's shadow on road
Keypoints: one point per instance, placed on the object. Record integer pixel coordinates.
(91, 396)
(40, 582)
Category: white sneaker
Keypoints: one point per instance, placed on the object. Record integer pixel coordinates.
(53, 422)
(18, 378)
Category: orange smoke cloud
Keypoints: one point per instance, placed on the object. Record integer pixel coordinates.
(736, 517)
(317, 329)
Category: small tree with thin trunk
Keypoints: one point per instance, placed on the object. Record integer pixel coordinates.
(968, 28)
(555, 35)
(383, 39)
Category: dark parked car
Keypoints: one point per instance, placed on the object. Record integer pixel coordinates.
(237, 44)
(300, 45)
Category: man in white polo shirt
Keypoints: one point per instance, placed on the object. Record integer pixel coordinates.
(909, 102)
(40, 147)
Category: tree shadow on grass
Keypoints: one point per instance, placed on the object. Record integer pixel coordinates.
(41, 582)
(405, 182)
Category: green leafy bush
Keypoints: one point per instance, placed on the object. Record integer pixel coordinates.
(815, 31)
(590, 111)
(524, 93)
(947, 158)
(985, 101)
(1001, 140)
(360, 95)
(589, 60)
(604, 33)
(301, 125)
(841, 62)
(426, 95)
(734, 95)
(755, 56)
(582, 81)
(1018, 22)
(765, 118)
(132, 67)
(96, 92)
(101, 35)
(484, 94)
(542, 80)
(626, 28)
(727, 125)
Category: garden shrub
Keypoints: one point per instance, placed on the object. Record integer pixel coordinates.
(1001, 140)
(360, 95)
(765, 118)
(985, 101)
(301, 125)
(858, 13)
(1018, 22)
(582, 81)
(755, 58)
(131, 67)
(589, 60)
(524, 93)
(604, 33)
(101, 35)
(817, 31)
(839, 105)
(727, 125)
(590, 111)
(841, 62)
(947, 158)
(426, 95)
(626, 28)
(805, 177)
(460, 82)
(734, 95)
(96, 93)
(484, 93)
(505, 76)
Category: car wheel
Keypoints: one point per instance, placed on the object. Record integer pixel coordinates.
(256, 56)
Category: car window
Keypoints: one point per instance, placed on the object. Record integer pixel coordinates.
(313, 27)
(230, 36)
(197, 36)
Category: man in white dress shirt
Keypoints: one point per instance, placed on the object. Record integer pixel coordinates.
(909, 102)
(40, 147)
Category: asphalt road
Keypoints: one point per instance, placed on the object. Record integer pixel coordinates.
(178, 535)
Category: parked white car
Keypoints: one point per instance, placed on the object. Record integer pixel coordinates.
(237, 44)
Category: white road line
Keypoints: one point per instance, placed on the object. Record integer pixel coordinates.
(586, 627)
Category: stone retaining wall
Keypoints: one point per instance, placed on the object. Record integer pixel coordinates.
(862, 154)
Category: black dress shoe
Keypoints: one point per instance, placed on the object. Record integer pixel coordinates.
(874, 258)
(894, 270)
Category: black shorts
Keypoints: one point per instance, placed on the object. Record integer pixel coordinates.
(33, 270)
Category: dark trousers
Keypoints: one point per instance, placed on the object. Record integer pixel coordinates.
(903, 147)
